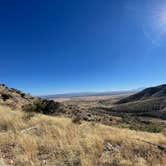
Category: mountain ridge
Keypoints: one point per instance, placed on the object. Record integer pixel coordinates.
(88, 94)
(152, 92)
(149, 102)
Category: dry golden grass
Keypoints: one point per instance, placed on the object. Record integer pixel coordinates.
(36, 140)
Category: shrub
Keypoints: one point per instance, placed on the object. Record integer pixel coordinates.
(76, 119)
(23, 95)
(5, 96)
(47, 107)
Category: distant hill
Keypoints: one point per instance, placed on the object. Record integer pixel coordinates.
(149, 102)
(149, 93)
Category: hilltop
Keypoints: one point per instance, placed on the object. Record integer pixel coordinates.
(14, 98)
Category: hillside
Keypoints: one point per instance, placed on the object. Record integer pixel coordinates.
(17, 100)
(91, 109)
(14, 98)
(149, 93)
(35, 132)
(36, 139)
(150, 102)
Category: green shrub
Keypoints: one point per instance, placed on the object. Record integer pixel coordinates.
(23, 95)
(43, 106)
(5, 96)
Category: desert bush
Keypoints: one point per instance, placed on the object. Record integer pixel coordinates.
(76, 119)
(23, 95)
(5, 96)
(47, 107)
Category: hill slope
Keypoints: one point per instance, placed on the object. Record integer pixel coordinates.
(149, 102)
(48, 140)
(14, 98)
(18, 100)
(28, 138)
(153, 92)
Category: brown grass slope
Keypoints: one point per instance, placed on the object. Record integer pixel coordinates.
(35, 140)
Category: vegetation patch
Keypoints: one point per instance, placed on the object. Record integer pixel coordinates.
(5, 97)
(43, 106)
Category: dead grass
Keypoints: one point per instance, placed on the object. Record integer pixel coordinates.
(56, 141)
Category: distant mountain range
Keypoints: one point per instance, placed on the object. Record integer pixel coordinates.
(84, 94)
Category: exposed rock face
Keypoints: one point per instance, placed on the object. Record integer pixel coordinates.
(13, 97)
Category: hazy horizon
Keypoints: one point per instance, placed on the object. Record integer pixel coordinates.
(55, 47)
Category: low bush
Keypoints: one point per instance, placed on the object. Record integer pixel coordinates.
(76, 119)
(5, 97)
(47, 107)
(23, 95)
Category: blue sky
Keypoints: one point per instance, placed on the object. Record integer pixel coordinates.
(61, 46)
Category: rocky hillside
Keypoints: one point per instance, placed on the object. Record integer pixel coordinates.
(14, 98)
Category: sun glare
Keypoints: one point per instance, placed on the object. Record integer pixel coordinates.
(155, 28)
(162, 19)
(153, 19)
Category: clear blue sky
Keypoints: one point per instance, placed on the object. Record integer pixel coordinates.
(58, 46)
